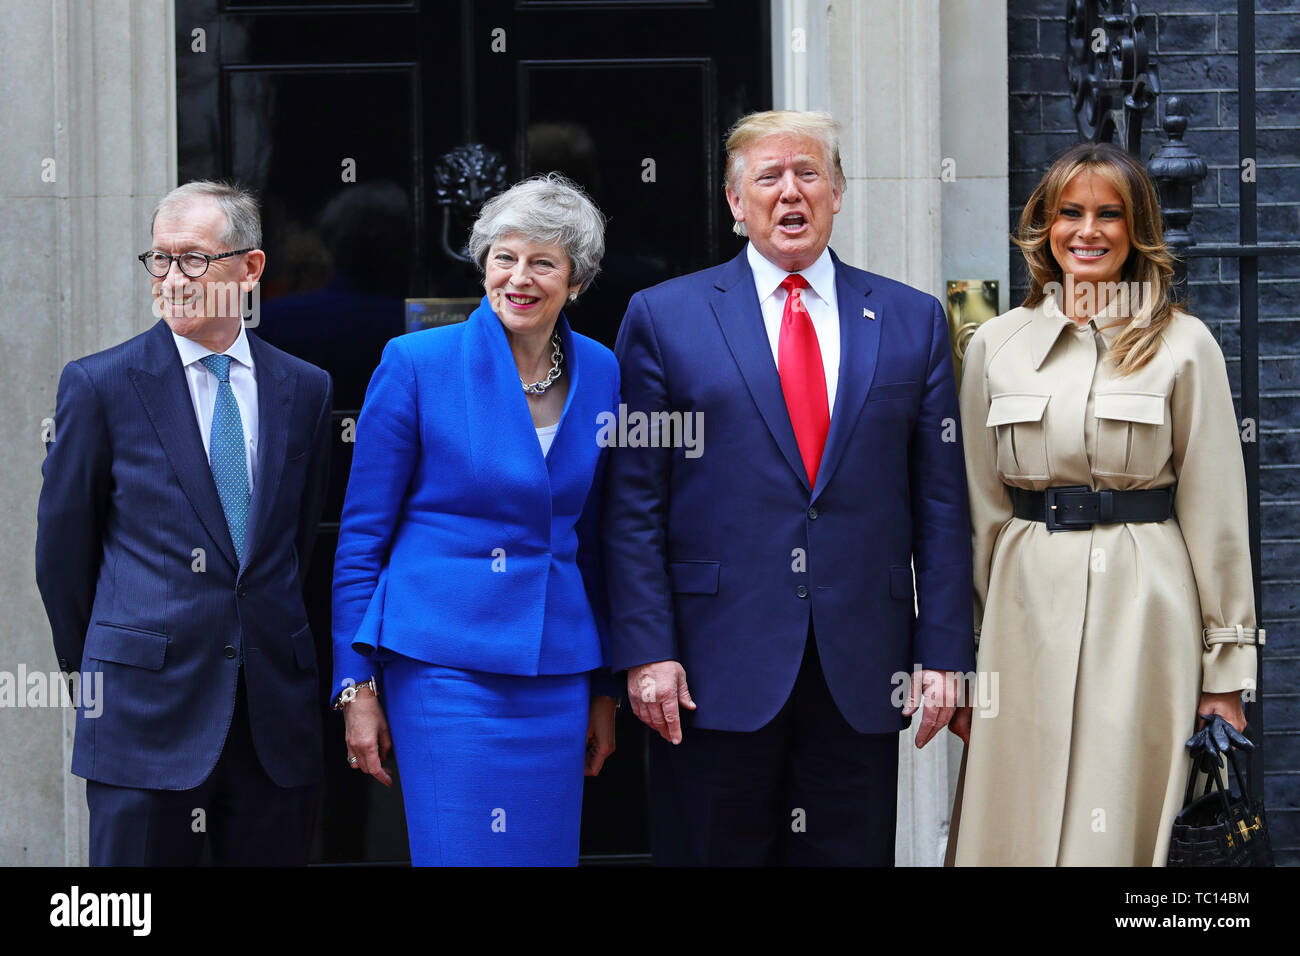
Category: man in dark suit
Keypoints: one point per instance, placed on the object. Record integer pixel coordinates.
(182, 490)
(775, 568)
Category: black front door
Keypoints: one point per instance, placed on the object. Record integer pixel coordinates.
(342, 117)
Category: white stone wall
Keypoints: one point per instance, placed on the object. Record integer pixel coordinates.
(913, 83)
(91, 87)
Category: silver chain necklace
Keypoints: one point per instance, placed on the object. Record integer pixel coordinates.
(557, 357)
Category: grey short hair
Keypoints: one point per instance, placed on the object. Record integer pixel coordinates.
(548, 208)
(243, 218)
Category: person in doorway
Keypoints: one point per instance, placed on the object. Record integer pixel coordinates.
(468, 574)
(772, 566)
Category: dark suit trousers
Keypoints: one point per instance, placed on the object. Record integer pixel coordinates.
(246, 819)
(804, 790)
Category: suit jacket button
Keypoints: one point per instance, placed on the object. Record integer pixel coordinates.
(63, 664)
(813, 513)
(241, 590)
(230, 652)
(801, 590)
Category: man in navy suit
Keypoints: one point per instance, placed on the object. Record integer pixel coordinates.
(775, 568)
(182, 490)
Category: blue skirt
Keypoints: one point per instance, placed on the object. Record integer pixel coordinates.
(491, 765)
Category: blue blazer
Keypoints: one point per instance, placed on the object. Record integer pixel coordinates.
(720, 561)
(127, 502)
(460, 544)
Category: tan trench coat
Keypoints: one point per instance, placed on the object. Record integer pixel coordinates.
(1096, 637)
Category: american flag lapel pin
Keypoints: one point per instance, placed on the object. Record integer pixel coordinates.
(867, 313)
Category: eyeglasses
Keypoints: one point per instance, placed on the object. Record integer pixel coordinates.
(193, 264)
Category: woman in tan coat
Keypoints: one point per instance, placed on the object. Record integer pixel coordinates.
(1106, 622)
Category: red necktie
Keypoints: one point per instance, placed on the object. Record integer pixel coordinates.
(803, 379)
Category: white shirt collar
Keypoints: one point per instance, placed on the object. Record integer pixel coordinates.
(191, 352)
(768, 276)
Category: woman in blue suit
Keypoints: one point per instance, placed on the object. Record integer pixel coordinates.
(467, 573)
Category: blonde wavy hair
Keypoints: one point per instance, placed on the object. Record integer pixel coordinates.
(1150, 264)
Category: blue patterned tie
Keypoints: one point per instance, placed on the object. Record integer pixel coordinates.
(227, 453)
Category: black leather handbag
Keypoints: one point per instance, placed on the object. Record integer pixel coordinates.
(1219, 828)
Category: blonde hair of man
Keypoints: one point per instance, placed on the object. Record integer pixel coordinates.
(816, 125)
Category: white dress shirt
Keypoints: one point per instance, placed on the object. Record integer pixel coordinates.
(203, 391)
(818, 298)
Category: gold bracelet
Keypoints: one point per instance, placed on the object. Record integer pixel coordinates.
(349, 693)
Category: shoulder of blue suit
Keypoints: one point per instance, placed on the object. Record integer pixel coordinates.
(728, 274)
(446, 341)
(154, 343)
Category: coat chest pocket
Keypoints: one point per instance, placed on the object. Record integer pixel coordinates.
(1131, 433)
(1022, 443)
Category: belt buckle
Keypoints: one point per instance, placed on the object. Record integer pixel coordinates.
(1053, 515)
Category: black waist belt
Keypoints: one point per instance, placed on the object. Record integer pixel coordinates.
(1078, 507)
